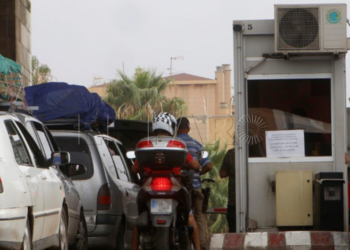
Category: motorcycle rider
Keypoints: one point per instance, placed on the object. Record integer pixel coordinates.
(195, 148)
(164, 124)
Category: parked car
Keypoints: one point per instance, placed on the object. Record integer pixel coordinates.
(106, 189)
(76, 224)
(33, 207)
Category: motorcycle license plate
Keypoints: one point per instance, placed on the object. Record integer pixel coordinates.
(161, 206)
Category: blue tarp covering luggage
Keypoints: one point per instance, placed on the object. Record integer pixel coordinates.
(59, 100)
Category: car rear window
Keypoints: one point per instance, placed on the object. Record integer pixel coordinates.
(79, 153)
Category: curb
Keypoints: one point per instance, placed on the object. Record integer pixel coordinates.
(298, 240)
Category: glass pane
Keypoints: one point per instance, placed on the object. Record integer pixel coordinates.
(289, 104)
(44, 140)
(133, 177)
(120, 168)
(19, 150)
(79, 154)
(106, 153)
(118, 162)
(33, 146)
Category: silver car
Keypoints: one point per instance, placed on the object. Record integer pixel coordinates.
(106, 189)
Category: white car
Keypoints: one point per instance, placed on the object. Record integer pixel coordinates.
(76, 228)
(33, 212)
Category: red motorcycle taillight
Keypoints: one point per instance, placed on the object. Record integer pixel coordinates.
(144, 144)
(175, 144)
(161, 184)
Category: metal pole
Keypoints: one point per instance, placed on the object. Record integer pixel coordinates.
(171, 63)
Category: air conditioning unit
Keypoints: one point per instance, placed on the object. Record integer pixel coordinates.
(310, 28)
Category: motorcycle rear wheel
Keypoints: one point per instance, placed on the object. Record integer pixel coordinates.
(162, 238)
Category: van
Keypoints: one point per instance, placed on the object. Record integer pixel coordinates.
(106, 188)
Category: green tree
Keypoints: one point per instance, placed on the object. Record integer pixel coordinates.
(140, 97)
(40, 72)
(219, 190)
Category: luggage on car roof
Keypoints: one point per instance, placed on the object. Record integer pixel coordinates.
(59, 100)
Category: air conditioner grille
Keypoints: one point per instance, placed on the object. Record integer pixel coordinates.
(298, 28)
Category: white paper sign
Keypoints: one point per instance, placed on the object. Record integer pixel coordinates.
(285, 143)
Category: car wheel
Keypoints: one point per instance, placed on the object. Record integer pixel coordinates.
(121, 236)
(63, 231)
(81, 240)
(27, 238)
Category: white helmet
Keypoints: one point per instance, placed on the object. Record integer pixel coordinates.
(164, 121)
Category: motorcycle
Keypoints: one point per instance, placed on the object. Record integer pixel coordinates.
(164, 203)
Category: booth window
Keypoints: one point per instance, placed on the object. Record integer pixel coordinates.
(292, 104)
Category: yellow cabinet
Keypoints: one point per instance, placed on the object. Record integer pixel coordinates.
(294, 198)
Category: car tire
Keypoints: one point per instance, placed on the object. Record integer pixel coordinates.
(81, 239)
(121, 236)
(27, 238)
(63, 236)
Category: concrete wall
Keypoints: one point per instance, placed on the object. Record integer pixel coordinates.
(199, 97)
(222, 128)
(208, 129)
(209, 106)
(101, 90)
(205, 97)
(223, 90)
(15, 34)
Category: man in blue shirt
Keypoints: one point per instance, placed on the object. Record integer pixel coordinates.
(195, 148)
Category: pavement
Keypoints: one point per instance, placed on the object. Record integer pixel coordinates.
(298, 240)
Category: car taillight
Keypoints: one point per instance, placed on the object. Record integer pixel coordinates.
(161, 184)
(1, 188)
(175, 144)
(104, 198)
(144, 144)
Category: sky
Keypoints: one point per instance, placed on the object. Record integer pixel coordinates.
(83, 40)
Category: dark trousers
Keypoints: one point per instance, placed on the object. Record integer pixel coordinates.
(231, 218)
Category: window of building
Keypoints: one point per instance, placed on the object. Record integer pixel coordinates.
(290, 104)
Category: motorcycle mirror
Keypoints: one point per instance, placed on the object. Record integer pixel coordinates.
(204, 154)
(130, 154)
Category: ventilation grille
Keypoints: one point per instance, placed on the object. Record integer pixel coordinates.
(298, 29)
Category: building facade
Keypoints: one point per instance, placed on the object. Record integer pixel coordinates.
(100, 89)
(15, 35)
(209, 103)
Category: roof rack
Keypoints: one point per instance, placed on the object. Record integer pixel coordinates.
(70, 124)
(17, 106)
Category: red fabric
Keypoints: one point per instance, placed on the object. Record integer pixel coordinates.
(176, 170)
(348, 195)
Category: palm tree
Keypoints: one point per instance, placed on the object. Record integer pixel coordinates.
(219, 191)
(40, 72)
(139, 97)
